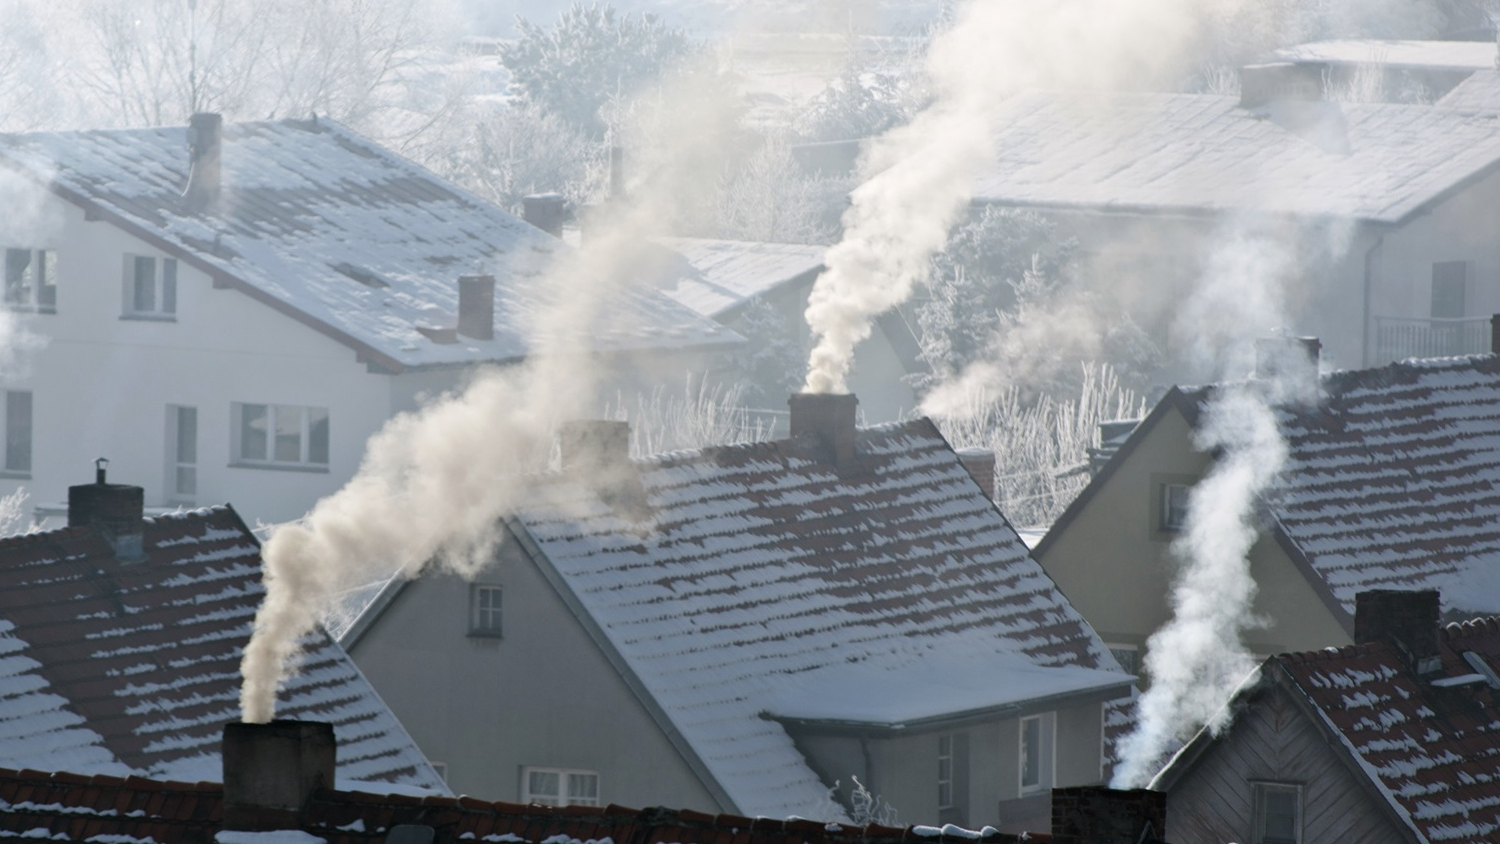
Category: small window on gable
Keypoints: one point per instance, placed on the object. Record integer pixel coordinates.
(17, 455)
(279, 436)
(1174, 506)
(1037, 747)
(1128, 656)
(1278, 813)
(150, 287)
(31, 280)
(1450, 282)
(559, 787)
(484, 610)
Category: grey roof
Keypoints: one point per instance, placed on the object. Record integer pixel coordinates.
(1394, 54)
(1203, 154)
(721, 275)
(339, 233)
(1479, 92)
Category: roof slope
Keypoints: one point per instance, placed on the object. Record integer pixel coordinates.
(1195, 153)
(724, 274)
(304, 198)
(134, 668)
(761, 573)
(71, 808)
(1480, 91)
(1429, 750)
(1394, 53)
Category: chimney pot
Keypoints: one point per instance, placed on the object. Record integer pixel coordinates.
(598, 450)
(116, 511)
(204, 151)
(1261, 84)
(545, 211)
(981, 465)
(271, 769)
(1408, 620)
(1287, 355)
(1094, 814)
(827, 418)
(476, 306)
(1495, 334)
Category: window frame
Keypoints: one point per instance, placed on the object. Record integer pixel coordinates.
(565, 778)
(176, 463)
(32, 299)
(1119, 649)
(1046, 757)
(945, 771)
(9, 469)
(161, 286)
(1259, 789)
(308, 418)
(1159, 487)
(478, 627)
(1450, 288)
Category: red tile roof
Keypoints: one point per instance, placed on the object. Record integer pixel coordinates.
(71, 808)
(120, 668)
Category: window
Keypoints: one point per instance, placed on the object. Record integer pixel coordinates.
(945, 772)
(1449, 282)
(182, 453)
(17, 434)
(1036, 752)
(1174, 506)
(280, 436)
(1278, 813)
(484, 610)
(441, 768)
(31, 279)
(559, 787)
(150, 287)
(1129, 657)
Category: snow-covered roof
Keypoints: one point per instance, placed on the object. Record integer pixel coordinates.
(1425, 747)
(340, 233)
(1479, 92)
(1396, 54)
(721, 275)
(133, 668)
(759, 567)
(1204, 154)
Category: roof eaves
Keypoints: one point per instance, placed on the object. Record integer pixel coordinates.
(372, 612)
(1188, 756)
(1427, 205)
(1185, 212)
(518, 530)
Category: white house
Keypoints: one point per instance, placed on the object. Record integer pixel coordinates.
(741, 628)
(230, 312)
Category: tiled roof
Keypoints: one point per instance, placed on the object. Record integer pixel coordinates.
(1194, 153)
(309, 205)
(1481, 91)
(724, 274)
(72, 808)
(1398, 54)
(761, 572)
(133, 668)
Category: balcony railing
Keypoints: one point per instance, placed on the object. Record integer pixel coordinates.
(1397, 338)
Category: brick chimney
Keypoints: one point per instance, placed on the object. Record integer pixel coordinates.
(1286, 356)
(597, 453)
(546, 211)
(1408, 621)
(1495, 334)
(1094, 814)
(115, 511)
(476, 306)
(270, 771)
(1261, 84)
(205, 142)
(981, 465)
(826, 422)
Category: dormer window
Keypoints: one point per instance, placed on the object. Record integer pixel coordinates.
(150, 287)
(31, 280)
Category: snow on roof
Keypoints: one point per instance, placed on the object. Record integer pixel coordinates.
(1403, 55)
(133, 668)
(1197, 153)
(1479, 92)
(759, 564)
(724, 274)
(343, 234)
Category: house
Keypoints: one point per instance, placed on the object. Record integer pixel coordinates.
(1392, 482)
(1382, 210)
(276, 788)
(725, 279)
(750, 628)
(1392, 738)
(120, 641)
(1390, 69)
(230, 311)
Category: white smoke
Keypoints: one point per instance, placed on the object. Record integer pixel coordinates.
(31, 220)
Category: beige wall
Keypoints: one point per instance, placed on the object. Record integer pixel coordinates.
(542, 695)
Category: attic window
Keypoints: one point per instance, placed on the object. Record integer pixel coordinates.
(1482, 668)
(361, 275)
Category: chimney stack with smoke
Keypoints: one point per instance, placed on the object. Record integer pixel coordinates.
(1286, 357)
(204, 148)
(115, 511)
(476, 306)
(827, 420)
(1093, 814)
(981, 465)
(1262, 84)
(272, 769)
(546, 211)
(597, 452)
(1408, 621)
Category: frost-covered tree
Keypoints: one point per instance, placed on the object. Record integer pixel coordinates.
(771, 198)
(591, 56)
(773, 365)
(855, 105)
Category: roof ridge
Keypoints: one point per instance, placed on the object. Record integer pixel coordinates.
(1331, 653)
(1482, 625)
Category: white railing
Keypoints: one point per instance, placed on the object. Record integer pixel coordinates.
(1397, 338)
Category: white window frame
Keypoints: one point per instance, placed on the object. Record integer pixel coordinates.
(945, 771)
(180, 466)
(1173, 520)
(1047, 752)
(161, 285)
(35, 287)
(1258, 792)
(1128, 656)
(17, 458)
(565, 793)
(305, 420)
(486, 621)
